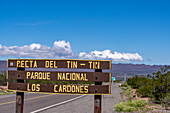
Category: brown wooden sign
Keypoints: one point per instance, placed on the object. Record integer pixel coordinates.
(59, 76)
(63, 89)
(21, 75)
(62, 63)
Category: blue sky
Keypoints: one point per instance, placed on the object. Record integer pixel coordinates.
(133, 28)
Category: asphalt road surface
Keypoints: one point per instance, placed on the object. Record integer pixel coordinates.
(32, 101)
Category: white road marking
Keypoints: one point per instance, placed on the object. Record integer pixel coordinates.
(48, 107)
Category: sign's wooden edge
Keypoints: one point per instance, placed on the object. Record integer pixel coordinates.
(110, 77)
(65, 59)
(7, 74)
(58, 93)
(61, 59)
(59, 71)
(110, 62)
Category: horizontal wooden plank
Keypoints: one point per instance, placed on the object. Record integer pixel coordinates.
(60, 89)
(62, 63)
(59, 76)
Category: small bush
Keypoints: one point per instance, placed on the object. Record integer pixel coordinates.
(140, 103)
(166, 101)
(124, 85)
(145, 91)
(130, 105)
(127, 92)
(134, 96)
(124, 88)
(137, 82)
(129, 109)
(120, 107)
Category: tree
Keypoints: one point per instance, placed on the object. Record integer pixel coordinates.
(161, 82)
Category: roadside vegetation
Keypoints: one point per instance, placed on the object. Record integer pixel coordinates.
(4, 91)
(146, 93)
(3, 85)
(3, 81)
(129, 101)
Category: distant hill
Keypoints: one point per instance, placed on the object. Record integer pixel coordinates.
(118, 69)
(3, 66)
(134, 69)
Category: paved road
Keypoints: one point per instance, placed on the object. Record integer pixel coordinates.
(86, 103)
(33, 101)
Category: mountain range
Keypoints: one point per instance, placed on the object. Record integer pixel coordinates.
(134, 69)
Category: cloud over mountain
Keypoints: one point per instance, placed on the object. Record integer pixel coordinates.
(62, 49)
(115, 56)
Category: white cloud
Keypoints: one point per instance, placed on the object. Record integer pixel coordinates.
(62, 49)
(114, 56)
(0, 46)
(35, 46)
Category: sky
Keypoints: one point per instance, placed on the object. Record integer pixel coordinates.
(124, 31)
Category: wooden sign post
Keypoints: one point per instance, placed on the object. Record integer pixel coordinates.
(97, 98)
(21, 75)
(20, 95)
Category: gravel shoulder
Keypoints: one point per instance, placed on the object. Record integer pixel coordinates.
(109, 101)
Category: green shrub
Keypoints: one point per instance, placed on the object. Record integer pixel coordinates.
(166, 101)
(129, 109)
(145, 91)
(130, 105)
(134, 96)
(139, 103)
(137, 82)
(128, 92)
(117, 81)
(124, 85)
(120, 107)
(161, 81)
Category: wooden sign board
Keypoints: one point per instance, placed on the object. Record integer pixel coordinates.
(59, 76)
(61, 63)
(60, 89)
